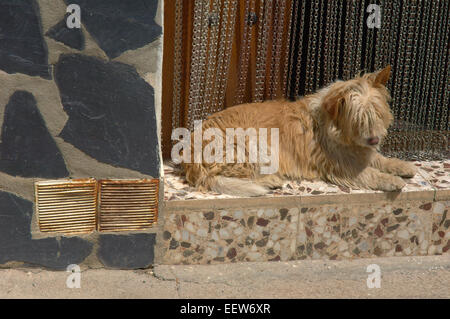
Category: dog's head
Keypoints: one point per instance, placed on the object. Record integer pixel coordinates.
(357, 110)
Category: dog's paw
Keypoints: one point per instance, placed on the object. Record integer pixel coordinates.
(406, 170)
(393, 184)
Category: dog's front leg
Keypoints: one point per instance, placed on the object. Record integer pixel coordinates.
(370, 178)
(394, 166)
(374, 179)
(271, 181)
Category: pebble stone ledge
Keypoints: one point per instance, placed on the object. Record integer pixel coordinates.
(333, 224)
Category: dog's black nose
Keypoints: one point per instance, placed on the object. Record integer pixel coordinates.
(373, 140)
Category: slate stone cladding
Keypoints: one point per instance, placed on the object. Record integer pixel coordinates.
(27, 149)
(110, 112)
(101, 110)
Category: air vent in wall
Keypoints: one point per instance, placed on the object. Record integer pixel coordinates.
(127, 204)
(67, 206)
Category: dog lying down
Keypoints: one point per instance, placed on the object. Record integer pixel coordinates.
(332, 135)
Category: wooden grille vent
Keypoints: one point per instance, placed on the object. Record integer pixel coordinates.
(82, 206)
(127, 204)
(66, 206)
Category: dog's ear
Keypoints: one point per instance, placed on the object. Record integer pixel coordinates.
(379, 78)
(383, 76)
(331, 104)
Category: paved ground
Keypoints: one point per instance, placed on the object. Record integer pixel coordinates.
(401, 277)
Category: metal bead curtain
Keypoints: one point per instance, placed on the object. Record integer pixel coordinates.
(331, 40)
(293, 47)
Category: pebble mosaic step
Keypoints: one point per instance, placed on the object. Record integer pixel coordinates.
(308, 220)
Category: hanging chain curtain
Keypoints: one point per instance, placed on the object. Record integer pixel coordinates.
(219, 53)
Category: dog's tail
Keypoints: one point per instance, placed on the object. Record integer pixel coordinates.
(235, 186)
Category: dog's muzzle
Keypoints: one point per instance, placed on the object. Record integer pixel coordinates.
(373, 140)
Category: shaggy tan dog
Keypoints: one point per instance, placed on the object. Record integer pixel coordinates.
(333, 135)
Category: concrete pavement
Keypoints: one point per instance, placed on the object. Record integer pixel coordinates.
(401, 277)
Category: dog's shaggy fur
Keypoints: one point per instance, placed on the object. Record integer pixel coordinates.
(331, 135)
